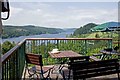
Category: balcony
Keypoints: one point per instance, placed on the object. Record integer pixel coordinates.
(13, 62)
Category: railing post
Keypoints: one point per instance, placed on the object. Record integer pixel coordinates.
(110, 43)
(57, 43)
(85, 48)
(118, 28)
(22, 56)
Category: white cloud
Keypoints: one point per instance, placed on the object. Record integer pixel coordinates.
(45, 15)
(15, 11)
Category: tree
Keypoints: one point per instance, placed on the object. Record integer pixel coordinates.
(6, 46)
(85, 29)
(97, 35)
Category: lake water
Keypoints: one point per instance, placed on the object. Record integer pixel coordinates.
(18, 39)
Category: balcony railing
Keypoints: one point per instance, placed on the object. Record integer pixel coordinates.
(13, 61)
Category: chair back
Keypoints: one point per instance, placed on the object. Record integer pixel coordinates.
(35, 59)
(82, 70)
(80, 58)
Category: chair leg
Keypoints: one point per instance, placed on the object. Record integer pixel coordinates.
(63, 74)
(69, 74)
(57, 77)
(24, 74)
(118, 76)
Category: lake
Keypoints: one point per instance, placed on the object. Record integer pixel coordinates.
(18, 39)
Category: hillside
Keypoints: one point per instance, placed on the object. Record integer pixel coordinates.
(84, 29)
(16, 31)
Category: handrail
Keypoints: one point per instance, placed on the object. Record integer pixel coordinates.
(11, 51)
(68, 38)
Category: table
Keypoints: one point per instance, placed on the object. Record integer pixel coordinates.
(65, 54)
(110, 53)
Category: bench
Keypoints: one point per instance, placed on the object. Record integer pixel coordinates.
(66, 73)
(83, 70)
(94, 58)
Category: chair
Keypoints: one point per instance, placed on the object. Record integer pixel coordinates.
(95, 68)
(66, 71)
(38, 69)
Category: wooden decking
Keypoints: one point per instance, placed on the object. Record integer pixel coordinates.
(58, 76)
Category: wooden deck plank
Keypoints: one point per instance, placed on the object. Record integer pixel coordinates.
(54, 77)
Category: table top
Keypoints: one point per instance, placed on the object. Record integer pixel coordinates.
(64, 54)
(108, 52)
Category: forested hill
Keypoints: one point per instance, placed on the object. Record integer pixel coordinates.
(15, 31)
(84, 29)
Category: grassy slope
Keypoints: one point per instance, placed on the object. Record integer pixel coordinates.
(101, 34)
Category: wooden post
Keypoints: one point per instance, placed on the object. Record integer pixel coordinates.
(85, 49)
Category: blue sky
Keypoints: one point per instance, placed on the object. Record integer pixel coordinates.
(61, 14)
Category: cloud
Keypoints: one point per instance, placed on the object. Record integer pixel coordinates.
(64, 0)
(15, 11)
(45, 14)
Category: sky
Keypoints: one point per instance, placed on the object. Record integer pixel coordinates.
(61, 14)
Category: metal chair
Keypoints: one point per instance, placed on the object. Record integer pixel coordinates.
(35, 60)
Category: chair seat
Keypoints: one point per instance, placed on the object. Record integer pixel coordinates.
(37, 69)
